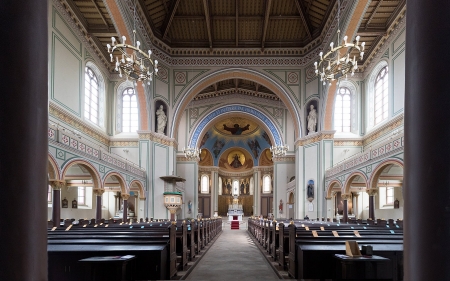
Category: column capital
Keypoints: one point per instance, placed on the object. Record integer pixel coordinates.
(346, 196)
(125, 196)
(99, 191)
(372, 191)
(57, 184)
(356, 194)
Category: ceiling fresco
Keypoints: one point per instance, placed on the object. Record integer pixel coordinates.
(236, 143)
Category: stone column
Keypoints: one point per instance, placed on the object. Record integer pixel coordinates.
(98, 207)
(24, 140)
(372, 192)
(56, 203)
(125, 207)
(329, 205)
(426, 158)
(356, 204)
(345, 198)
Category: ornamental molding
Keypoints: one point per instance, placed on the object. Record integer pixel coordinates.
(227, 173)
(125, 196)
(123, 143)
(77, 123)
(205, 169)
(346, 196)
(386, 128)
(316, 137)
(57, 184)
(372, 192)
(158, 138)
(287, 158)
(348, 142)
(184, 159)
(99, 191)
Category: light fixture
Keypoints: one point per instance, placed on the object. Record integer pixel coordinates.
(136, 64)
(279, 150)
(337, 61)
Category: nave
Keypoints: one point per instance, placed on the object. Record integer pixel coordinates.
(233, 256)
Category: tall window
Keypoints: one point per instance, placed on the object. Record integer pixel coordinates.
(49, 194)
(266, 184)
(81, 195)
(342, 111)
(91, 96)
(205, 184)
(381, 96)
(389, 195)
(129, 111)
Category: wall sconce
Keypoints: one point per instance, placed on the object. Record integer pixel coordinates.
(125, 150)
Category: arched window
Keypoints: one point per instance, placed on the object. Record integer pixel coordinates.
(381, 96)
(205, 184)
(266, 184)
(342, 110)
(91, 96)
(130, 121)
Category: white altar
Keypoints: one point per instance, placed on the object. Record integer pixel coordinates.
(235, 210)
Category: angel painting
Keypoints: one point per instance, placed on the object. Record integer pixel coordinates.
(254, 146)
(218, 145)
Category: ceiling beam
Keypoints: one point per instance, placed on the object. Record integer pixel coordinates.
(200, 17)
(304, 16)
(208, 22)
(237, 22)
(100, 12)
(266, 23)
(371, 32)
(144, 10)
(373, 13)
(168, 19)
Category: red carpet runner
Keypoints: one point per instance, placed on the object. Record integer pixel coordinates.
(234, 224)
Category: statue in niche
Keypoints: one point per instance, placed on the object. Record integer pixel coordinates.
(229, 186)
(310, 190)
(236, 130)
(161, 120)
(312, 120)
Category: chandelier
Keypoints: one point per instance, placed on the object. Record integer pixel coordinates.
(337, 62)
(279, 150)
(135, 63)
(192, 153)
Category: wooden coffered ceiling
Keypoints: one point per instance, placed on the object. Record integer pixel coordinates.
(237, 23)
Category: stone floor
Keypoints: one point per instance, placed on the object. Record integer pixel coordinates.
(233, 256)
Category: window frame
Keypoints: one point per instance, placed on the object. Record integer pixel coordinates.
(382, 107)
(130, 127)
(204, 190)
(81, 202)
(266, 189)
(348, 93)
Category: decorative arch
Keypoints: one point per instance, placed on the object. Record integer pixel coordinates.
(291, 198)
(243, 109)
(53, 169)
(123, 185)
(140, 188)
(240, 73)
(373, 183)
(96, 179)
(331, 186)
(349, 181)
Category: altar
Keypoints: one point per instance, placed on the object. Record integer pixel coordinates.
(235, 210)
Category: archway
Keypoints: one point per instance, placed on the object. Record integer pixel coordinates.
(235, 73)
(357, 202)
(113, 204)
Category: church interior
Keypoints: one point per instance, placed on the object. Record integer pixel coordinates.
(276, 116)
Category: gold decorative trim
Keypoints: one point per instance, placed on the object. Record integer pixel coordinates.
(346, 196)
(208, 169)
(123, 143)
(372, 192)
(391, 125)
(78, 124)
(284, 159)
(348, 142)
(57, 184)
(316, 137)
(159, 138)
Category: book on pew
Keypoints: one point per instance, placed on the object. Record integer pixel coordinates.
(352, 249)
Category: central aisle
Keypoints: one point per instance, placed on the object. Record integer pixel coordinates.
(233, 256)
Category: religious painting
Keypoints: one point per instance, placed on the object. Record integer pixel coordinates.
(236, 126)
(64, 203)
(236, 159)
(267, 138)
(74, 204)
(218, 145)
(310, 190)
(254, 147)
(204, 139)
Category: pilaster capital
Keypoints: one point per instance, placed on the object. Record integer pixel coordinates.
(346, 196)
(372, 191)
(57, 184)
(125, 196)
(99, 192)
(356, 194)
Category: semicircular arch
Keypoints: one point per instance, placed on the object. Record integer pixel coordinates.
(96, 179)
(53, 168)
(123, 184)
(349, 181)
(373, 183)
(238, 73)
(137, 185)
(331, 186)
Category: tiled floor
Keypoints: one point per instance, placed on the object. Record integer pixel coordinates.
(233, 256)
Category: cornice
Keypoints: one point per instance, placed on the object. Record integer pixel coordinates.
(124, 143)
(287, 158)
(348, 142)
(316, 137)
(77, 123)
(208, 169)
(386, 128)
(158, 138)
